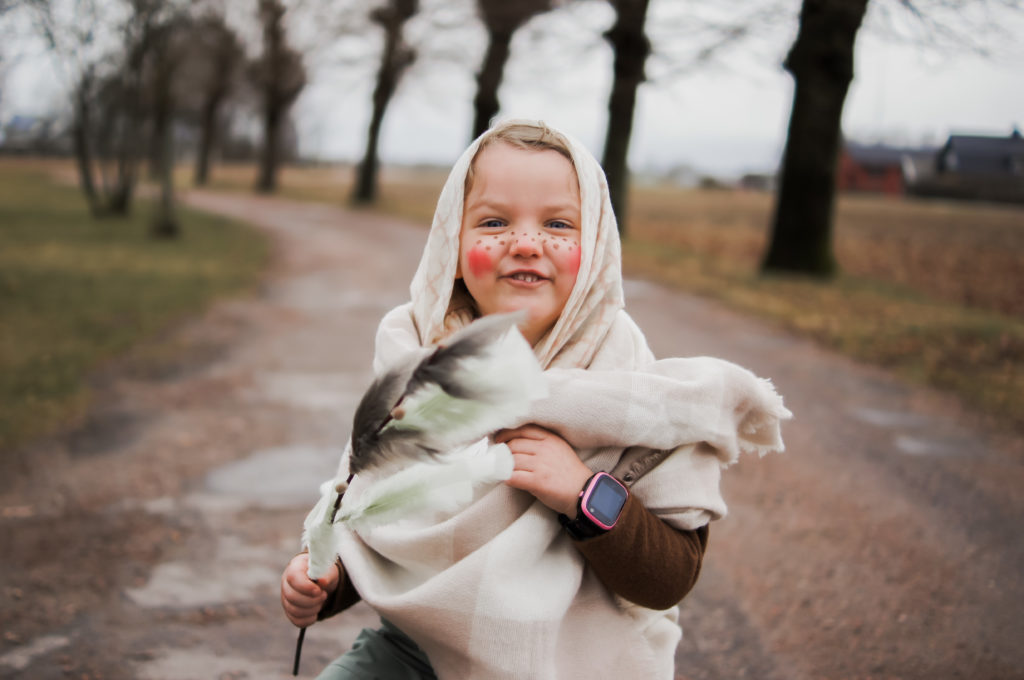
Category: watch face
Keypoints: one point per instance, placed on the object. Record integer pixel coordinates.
(604, 500)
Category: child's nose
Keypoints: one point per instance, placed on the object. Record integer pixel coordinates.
(526, 244)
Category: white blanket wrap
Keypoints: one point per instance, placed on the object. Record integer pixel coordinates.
(497, 590)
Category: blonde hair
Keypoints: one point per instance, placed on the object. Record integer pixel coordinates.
(522, 135)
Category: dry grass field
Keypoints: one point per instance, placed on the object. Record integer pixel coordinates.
(933, 290)
(971, 254)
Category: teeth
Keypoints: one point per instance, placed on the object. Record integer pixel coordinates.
(530, 278)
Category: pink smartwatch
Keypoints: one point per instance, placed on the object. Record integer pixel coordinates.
(598, 508)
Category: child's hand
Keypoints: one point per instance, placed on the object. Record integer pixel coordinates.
(302, 597)
(545, 466)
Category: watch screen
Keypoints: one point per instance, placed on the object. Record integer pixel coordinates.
(606, 500)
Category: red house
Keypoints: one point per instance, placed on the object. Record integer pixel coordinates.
(871, 168)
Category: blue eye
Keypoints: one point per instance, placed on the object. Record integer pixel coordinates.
(558, 224)
(493, 224)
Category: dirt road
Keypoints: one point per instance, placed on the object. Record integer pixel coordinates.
(148, 543)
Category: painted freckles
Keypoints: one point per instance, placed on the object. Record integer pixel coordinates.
(483, 257)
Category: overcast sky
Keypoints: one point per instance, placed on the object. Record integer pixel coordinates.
(726, 118)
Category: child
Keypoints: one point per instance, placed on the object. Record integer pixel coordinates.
(559, 572)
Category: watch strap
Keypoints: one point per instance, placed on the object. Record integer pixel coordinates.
(581, 527)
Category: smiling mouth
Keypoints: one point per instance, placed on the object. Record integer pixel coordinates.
(525, 277)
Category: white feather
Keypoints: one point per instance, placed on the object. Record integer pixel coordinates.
(507, 376)
(426, 488)
(318, 533)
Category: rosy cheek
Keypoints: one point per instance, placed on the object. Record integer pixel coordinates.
(568, 255)
(575, 255)
(479, 260)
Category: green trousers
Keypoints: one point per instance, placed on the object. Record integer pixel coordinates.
(383, 654)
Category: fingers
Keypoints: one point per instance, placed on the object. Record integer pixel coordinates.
(296, 574)
(300, 609)
(301, 598)
(299, 615)
(525, 432)
(523, 462)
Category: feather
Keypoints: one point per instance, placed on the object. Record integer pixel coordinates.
(426, 488)
(484, 378)
(422, 413)
(317, 532)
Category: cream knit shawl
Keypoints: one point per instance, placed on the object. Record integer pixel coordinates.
(497, 590)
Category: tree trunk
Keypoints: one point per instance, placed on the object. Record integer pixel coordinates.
(397, 57)
(119, 190)
(488, 80)
(201, 176)
(267, 181)
(281, 76)
(165, 225)
(821, 62)
(83, 152)
(207, 138)
(119, 200)
(631, 47)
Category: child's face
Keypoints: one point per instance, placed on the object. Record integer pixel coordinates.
(520, 238)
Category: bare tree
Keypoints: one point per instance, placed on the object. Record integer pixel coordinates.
(280, 76)
(166, 50)
(74, 35)
(821, 62)
(215, 64)
(396, 57)
(501, 19)
(101, 50)
(145, 32)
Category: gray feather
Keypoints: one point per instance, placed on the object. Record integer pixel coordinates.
(374, 444)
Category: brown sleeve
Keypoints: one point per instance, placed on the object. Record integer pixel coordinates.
(644, 560)
(343, 597)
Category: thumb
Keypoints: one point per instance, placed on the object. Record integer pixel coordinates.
(329, 581)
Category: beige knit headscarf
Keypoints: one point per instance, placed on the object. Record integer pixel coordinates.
(438, 308)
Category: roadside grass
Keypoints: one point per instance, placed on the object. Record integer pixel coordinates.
(75, 292)
(932, 290)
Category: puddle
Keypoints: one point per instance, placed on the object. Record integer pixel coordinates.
(283, 477)
(201, 664)
(20, 657)
(920, 446)
(335, 392)
(884, 418)
(915, 434)
(234, 574)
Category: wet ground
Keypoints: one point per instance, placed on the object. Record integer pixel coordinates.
(884, 543)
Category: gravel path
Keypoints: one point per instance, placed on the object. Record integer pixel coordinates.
(148, 543)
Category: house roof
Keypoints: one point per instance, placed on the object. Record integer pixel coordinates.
(977, 153)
